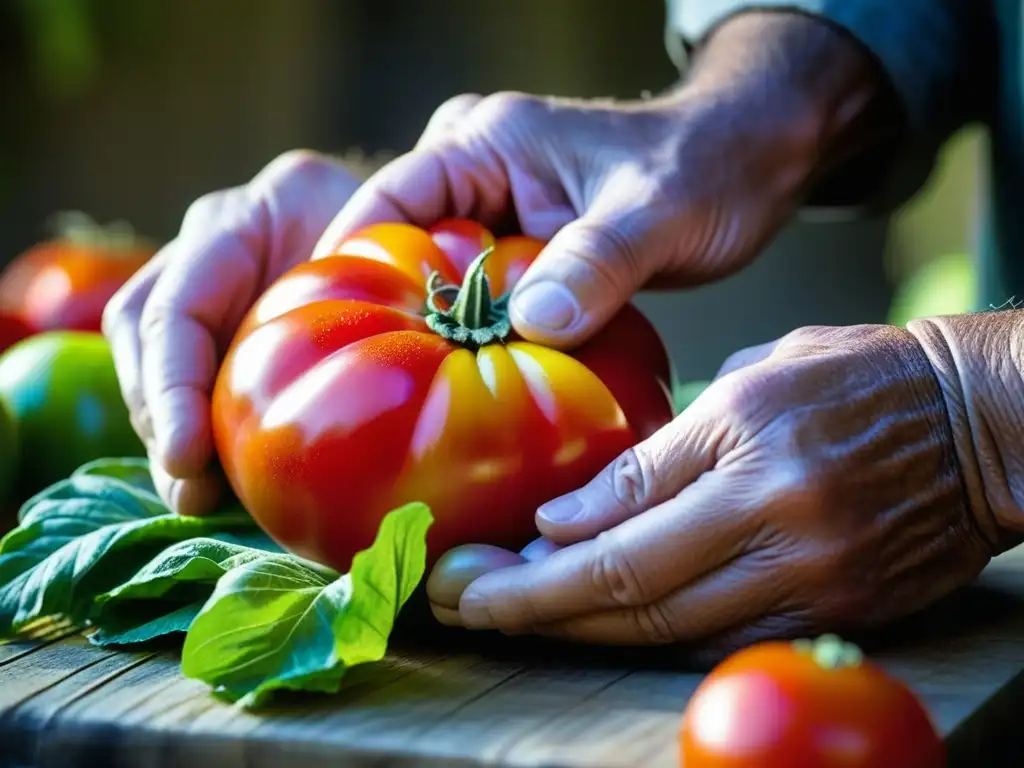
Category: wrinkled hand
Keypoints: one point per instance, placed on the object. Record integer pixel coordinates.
(669, 192)
(813, 486)
(674, 191)
(170, 324)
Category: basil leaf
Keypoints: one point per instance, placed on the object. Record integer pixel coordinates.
(81, 504)
(280, 623)
(185, 572)
(132, 630)
(84, 535)
(132, 470)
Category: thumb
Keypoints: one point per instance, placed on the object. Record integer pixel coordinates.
(587, 272)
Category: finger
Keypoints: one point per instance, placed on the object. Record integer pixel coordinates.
(538, 549)
(456, 569)
(230, 243)
(637, 563)
(121, 318)
(650, 473)
(731, 596)
(587, 272)
(199, 295)
(447, 118)
(746, 357)
(420, 188)
(455, 175)
(198, 495)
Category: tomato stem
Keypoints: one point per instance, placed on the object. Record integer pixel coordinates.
(830, 651)
(473, 318)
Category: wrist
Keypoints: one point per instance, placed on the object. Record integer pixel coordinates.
(817, 89)
(980, 366)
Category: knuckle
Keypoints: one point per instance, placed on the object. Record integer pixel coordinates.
(153, 320)
(614, 575)
(802, 486)
(503, 107)
(454, 107)
(289, 165)
(630, 480)
(808, 338)
(204, 210)
(736, 397)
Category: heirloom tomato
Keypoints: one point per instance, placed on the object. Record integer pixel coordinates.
(65, 282)
(387, 372)
(806, 704)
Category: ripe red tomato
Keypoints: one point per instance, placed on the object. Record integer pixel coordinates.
(811, 705)
(343, 395)
(65, 282)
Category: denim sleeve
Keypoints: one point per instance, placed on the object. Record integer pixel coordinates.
(938, 55)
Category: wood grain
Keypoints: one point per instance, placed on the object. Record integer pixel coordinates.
(67, 704)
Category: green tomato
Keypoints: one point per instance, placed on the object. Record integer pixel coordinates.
(63, 391)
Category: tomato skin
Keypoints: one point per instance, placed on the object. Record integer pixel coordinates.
(769, 705)
(12, 330)
(61, 284)
(336, 402)
(462, 240)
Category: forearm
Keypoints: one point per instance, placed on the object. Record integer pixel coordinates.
(938, 58)
(979, 360)
(816, 84)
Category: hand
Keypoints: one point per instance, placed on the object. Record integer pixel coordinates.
(814, 486)
(170, 324)
(674, 191)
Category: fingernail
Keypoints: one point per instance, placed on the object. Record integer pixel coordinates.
(561, 510)
(547, 305)
(474, 612)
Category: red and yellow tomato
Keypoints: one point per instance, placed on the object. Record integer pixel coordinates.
(65, 282)
(808, 704)
(343, 395)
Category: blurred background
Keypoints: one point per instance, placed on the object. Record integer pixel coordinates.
(130, 110)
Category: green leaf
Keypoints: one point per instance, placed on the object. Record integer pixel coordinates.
(85, 535)
(179, 577)
(278, 622)
(131, 629)
(132, 470)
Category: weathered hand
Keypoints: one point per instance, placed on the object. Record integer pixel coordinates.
(676, 191)
(813, 486)
(170, 324)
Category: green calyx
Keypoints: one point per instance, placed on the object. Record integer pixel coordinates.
(830, 651)
(472, 319)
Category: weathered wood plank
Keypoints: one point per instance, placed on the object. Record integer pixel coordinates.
(66, 703)
(32, 640)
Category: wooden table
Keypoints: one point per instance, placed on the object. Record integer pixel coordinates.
(66, 703)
